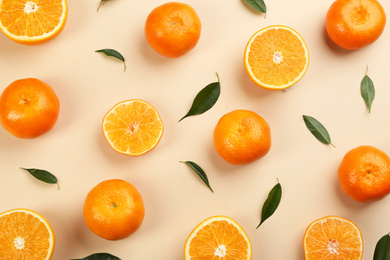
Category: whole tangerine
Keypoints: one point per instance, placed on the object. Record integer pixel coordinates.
(28, 108)
(353, 24)
(114, 209)
(242, 137)
(364, 174)
(173, 29)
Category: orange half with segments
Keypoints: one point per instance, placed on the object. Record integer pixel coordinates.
(218, 238)
(133, 127)
(25, 235)
(32, 21)
(276, 57)
(331, 238)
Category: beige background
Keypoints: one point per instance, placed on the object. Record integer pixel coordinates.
(89, 84)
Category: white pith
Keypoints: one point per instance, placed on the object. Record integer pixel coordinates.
(30, 7)
(220, 251)
(19, 243)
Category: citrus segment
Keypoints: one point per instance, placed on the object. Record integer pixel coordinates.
(25, 235)
(331, 238)
(32, 22)
(218, 237)
(133, 127)
(276, 57)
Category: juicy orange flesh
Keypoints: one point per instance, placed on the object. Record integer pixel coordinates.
(214, 235)
(40, 17)
(133, 127)
(277, 57)
(333, 239)
(19, 226)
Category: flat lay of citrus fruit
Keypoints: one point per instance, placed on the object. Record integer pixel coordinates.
(364, 173)
(114, 209)
(32, 22)
(242, 137)
(25, 234)
(331, 238)
(173, 29)
(133, 127)
(276, 57)
(28, 108)
(353, 24)
(218, 237)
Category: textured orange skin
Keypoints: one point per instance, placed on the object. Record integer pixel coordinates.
(28, 108)
(353, 24)
(114, 209)
(173, 29)
(364, 174)
(242, 137)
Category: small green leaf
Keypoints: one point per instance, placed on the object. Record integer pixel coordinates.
(205, 99)
(271, 203)
(367, 90)
(100, 4)
(115, 54)
(382, 248)
(43, 175)
(317, 129)
(258, 5)
(99, 256)
(196, 168)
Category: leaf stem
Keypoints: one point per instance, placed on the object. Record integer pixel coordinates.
(217, 76)
(101, 2)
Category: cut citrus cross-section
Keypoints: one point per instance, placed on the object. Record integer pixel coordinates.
(276, 57)
(218, 237)
(25, 235)
(333, 238)
(133, 127)
(32, 21)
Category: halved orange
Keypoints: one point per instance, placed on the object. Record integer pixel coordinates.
(32, 21)
(25, 235)
(133, 127)
(218, 237)
(331, 238)
(276, 57)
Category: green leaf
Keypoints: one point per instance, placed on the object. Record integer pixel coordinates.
(113, 53)
(382, 248)
(196, 168)
(205, 99)
(271, 203)
(99, 256)
(258, 5)
(367, 90)
(43, 175)
(317, 129)
(101, 3)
